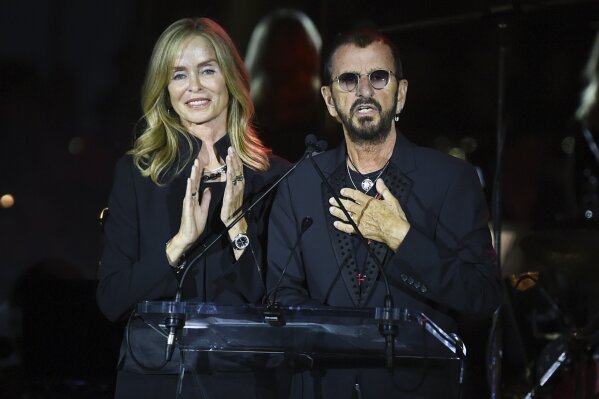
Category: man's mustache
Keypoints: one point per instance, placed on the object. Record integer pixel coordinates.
(362, 101)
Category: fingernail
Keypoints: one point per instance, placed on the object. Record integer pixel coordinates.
(331, 200)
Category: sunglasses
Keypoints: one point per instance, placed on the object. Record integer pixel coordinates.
(378, 79)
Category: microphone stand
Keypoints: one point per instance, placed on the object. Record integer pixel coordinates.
(175, 321)
(387, 328)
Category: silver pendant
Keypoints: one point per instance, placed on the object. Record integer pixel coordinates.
(367, 184)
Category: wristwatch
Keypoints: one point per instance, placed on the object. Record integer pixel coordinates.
(240, 241)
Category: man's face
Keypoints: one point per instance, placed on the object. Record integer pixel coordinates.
(365, 112)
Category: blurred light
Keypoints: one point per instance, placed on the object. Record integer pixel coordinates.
(76, 146)
(568, 145)
(458, 153)
(442, 143)
(468, 144)
(7, 201)
(588, 214)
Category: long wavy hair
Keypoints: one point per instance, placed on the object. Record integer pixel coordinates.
(158, 147)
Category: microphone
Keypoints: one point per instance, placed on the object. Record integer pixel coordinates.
(387, 328)
(274, 313)
(313, 145)
(176, 321)
(321, 145)
(173, 323)
(306, 224)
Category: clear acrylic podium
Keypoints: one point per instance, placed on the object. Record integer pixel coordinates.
(311, 336)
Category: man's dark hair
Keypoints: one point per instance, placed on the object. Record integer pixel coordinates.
(360, 38)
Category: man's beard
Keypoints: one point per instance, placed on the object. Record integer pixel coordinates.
(363, 131)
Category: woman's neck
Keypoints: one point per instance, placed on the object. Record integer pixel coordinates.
(208, 155)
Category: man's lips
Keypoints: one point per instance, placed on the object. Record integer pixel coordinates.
(365, 108)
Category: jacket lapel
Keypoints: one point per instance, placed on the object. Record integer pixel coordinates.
(360, 283)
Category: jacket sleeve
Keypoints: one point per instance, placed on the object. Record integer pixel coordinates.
(244, 276)
(455, 266)
(130, 270)
(286, 274)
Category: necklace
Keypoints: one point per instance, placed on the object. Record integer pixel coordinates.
(214, 174)
(367, 183)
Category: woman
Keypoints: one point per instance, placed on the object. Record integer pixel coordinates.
(190, 172)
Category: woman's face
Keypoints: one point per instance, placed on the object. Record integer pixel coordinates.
(197, 86)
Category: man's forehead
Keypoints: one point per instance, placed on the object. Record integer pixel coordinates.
(350, 57)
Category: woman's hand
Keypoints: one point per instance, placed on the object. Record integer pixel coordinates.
(193, 216)
(233, 197)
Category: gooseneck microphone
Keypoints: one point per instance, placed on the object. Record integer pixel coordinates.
(176, 321)
(306, 224)
(387, 328)
(274, 314)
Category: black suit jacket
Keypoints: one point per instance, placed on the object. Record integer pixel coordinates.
(144, 216)
(444, 265)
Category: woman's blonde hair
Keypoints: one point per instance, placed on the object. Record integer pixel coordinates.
(157, 149)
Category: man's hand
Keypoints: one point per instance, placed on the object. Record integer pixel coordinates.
(378, 218)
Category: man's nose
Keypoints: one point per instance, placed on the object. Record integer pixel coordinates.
(364, 88)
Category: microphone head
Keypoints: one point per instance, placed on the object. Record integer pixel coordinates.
(306, 223)
(310, 140)
(321, 145)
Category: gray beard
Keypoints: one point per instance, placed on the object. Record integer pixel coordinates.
(363, 132)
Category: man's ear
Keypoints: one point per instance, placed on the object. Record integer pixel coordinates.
(402, 92)
(328, 100)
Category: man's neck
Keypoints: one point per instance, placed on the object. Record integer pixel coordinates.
(369, 157)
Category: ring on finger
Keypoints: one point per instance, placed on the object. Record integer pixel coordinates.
(238, 178)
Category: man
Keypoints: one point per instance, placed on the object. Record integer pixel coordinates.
(422, 212)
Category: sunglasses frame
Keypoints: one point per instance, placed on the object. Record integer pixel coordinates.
(359, 76)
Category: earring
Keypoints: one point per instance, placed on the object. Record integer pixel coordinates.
(396, 118)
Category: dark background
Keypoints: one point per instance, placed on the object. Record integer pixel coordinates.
(71, 73)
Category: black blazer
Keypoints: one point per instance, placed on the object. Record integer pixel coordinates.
(445, 263)
(143, 216)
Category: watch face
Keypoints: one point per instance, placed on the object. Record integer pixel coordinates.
(241, 241)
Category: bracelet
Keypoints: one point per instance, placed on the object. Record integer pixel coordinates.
(180, 262)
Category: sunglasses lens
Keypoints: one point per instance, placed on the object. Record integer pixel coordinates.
(348, 81)
(379, 79)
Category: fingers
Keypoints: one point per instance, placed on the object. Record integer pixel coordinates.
(204, 204)
(233, 196)
(344, 227)
(195, 178)
(355, 195)
(235, 178)
(382, 189)
(190, 194)
(349, 205)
